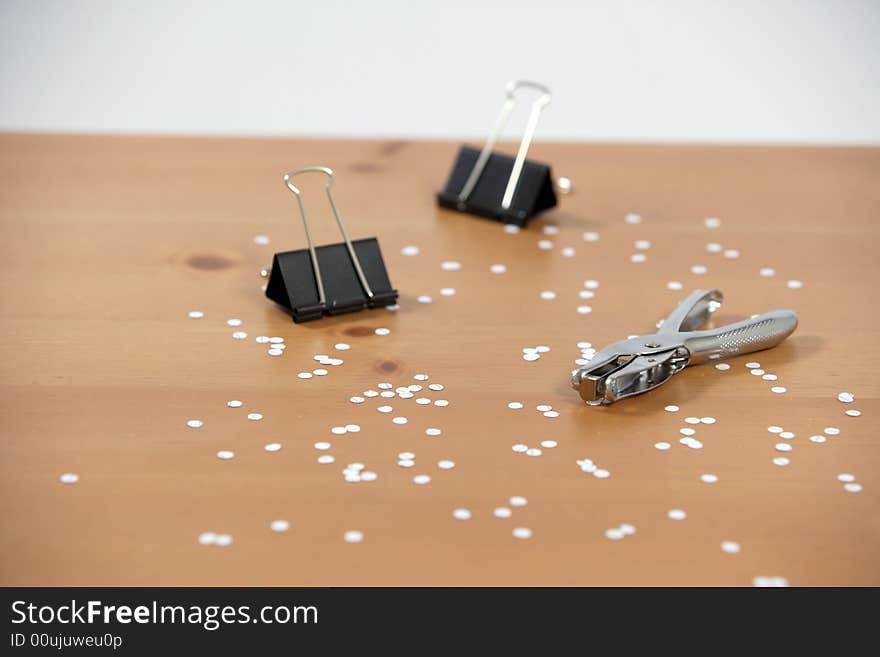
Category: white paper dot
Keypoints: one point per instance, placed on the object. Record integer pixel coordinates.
(400, 420)
(846, 397)
(731, 254)
(272, 447)
(196, 314)
(590, 236)
(239, 335)
(446, 464)
(699, 270)
(853, 488)
(424, 298)
(852, 412)
(778, 389)
(591, 284)
(234, 403)
(614, 534)
(207, 538)
(831, 431)
(818, 439)
(261, 239)
(421, 479)
(676, 514)
(548, 294)
(795, 285)
(195, 424)
(601, 474)
(767, 272)
(783, 447)
(662, 446)
(545, 245)
(708, 420)
(223, 540)
(255, 416)
(549, 444)
(711, 222)
(519, 448)
(502, 512)
(730, 547)
(781, 461)
(326, 459)
(584, 310)
(441, 403)
(672, 408)
(410, 250)
(382, 331)
(674, 285)
(846, 477)
(385, 409)
(225, 454)
(518, 500)
(69, 478)
(357, 400)
(773, 582)
(279, 525)
(461, 514)
(498, 269)
(708, 478)
(353, 536)
(568, 252)
(533, 451)
(433, 432)
(522, 532)
(450, 265)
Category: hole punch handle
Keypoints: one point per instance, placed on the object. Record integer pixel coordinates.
(693, 312)
(761, 332)
(509, 103)
(319, 280)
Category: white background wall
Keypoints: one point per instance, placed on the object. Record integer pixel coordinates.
(671, 70)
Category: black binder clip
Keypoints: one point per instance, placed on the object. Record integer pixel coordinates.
(331, 279)
(499, 187)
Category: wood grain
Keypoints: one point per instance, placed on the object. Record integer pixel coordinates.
(108, 243)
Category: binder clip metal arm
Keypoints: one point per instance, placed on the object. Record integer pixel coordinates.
(639, 364)
(330, 279)
(475, 184)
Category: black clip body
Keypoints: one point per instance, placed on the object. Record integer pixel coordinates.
(534, 193)
(331, 279)
(500, 187)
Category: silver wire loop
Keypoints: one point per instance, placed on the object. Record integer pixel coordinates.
(506, 109)
(314, 256)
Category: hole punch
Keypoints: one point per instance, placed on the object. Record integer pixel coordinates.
(331, 279)
(496, 186)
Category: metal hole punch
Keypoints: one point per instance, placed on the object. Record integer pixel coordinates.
(497, 186)
(330, 279)
(639, 364)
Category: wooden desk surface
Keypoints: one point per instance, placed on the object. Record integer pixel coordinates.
(109, 243)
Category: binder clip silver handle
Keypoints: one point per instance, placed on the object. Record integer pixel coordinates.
(506, 109)
(319, 280)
